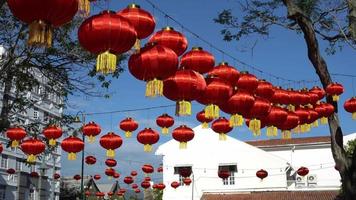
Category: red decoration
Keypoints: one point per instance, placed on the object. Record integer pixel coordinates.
(122, 190)
(32, 147)
(160, 186)
(175, 184)
(137, 191)
(258, 111)
(91, 130)
(222, 127)
(77, 177)
(319, 91)
(134, 173)
(172, 39)
(90, 160)
(281, 96)
(148, 137)
(110, 172)
(10, 171)
(183, 87)
(153, 64)
(15, 135)
(223, 174)
(183, 134)
(226, 72)
(264, 89)
(87, 193)
(325, 110)
(185, 171)
(128, 125)
(202, 119)
(334, 90)
(247, 82)
(314, 98)
(198, 60)
(147, 178)
(313, 117)
(106, 34)
(1, 148)
(350, 106)
(261, 174)
(34, 175)
(100, 195)
(128, 180)
(110, 162)
(275, 118)
(160, 169)
(116, 175)
(187, 181)
(303, 171)
(42, 17)
(97, 177)
(110, 141)
(52, 133)
(134, 186)
(247, 122)
(165, 122)
(239, 104)
(110, 194)
(56, 176)
(72, 145)
(148, 169)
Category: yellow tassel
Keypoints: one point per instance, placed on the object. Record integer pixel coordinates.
(315, 123)
(137, 45)
(255, 127)
(128, 134)
(354, 116)
(110, 153)
(154, 88)
(40, 34)
(183, 145)
(91, 139)
(84, 7)
(165, 131)
(147, 148)
(212, 111)
(336, 97)
(31, 158)
(205, 125)
(236, 120)
(14, 144)
(222, 137)
(286, 134)
(72, 156)
(106, 63)
(52, 142)
(323, 120)
(184, 108)
(297, 129)
(291, 107)
(272, 131)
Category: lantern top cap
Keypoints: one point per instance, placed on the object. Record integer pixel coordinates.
(168, 28)
(108, 12)
(150, 44)
(197, 48)
(132, 5)
(223, 63)
(262, 80)
(244, 72)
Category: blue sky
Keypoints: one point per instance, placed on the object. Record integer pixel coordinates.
(282, 54)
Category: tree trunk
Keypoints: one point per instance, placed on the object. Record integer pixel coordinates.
(6, 97)
(347, 166)
(352, 18)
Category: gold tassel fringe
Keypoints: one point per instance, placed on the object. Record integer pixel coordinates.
(154, 88)
(165, 131)
(91, 139)
(106, 63)
(324, 120)
(110, 153)
(236, 120)
(52, 142)
(184, 108)
(137, 45)
(222, 137)
(14, 144)
(291, 107)
(128, 134)
(315, 124)
(84, 8)
(212, 111)
(272, 131)
(40, 34)
(72, 156)
(147, 148)
(286, 134)
(183, 145)
(31, 158)
(336, 97)
(255, 127)
(205, 125)
(354, 116)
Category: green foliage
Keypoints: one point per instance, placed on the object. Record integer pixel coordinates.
(157, 194)
(69, 192)
(351, 147)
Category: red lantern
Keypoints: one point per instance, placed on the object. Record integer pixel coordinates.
(109, 172)
(90, 160)
(153, 64)
(187, 181)
(97, 177)
(202, 119)
(143, 22)
(261, 174)
(160, 169)
(223, 174)
(15, 134)
(110, 162)
(276, 117)
(222, 127)
(325, 110)
(313, 117)
(110, 194)
(183, 87)
(350, 106)
(134, 186)
(148, 137)
(258, 111)
(106, 34)
(91, 130)
(32, 147)
(281, 96)
(160, 186)
(304, 116)
(42, 17)
(72, 145)
(34, 175)
(239, 104)
(56, 176)
(100, 195)
(128, 180)
(226, 72)
(314, 98)
(1, 148)
(198, 60)
(185, 171)
(77, 177)
(147, 178)
(165, 122)
(148, 169)
(319, 91)
(52, 133)
(116, 175)
(334, 90)
(128, 125)
(264, 89)
(110, 141)
(10, 171)
(134, 173)
(217, 91)
(87, 193)
(303, 171)
(122, 190)
(172, 39)
(247, 82)
(120, 194)
(175, 184)
(183, 135)
(137, 191)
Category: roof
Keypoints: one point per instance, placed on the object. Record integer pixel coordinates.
(280, 195)
(277, 142)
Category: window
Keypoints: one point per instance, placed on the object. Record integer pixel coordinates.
(181, 178)
(232, 169)
(36, 114)
(18, 164)
(4, 159)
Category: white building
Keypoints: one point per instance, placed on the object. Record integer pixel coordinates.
(280, 158)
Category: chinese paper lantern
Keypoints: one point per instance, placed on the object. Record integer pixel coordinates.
(77, 177)
(247, 82)
(87, 193)
(202, 119)
(313, 117)
(128, 180)
(128, 125)
(259, 110)
(90, 160)
(32, 147)
(134, 186)
(110, 141)
(154, 186)
(261, 174)
(303, 171)
(160, 169)
(264, 89)
(187, 181)
(239, 104)
(1, 148)
(106, 34)
(147, 178)
(116, 175)
(91, 130)
(153, 64)
(226, 72)
(10, 171)
(165, 122)
(52, 133)
(110, 162)
(222, 127)
(143, 22)
(198, 60)
(304, 116)
(100, 195)
(334, 90)
(314, 98)
(122, 190)
(15, 135)
(281, 96)
(183, 87)
(223, 174)
(34, 175)
(147, 169)
(109, 172)
(110, 194)
(172, 39)
(183, 134)
(137, 191)
(217, 91)
(161, 186)
(133, 173)
(120, 194)
(72, 145)
(319, 91)
(350, 106)
(185, 171)
(56, 176)
(42, 17)
(175, 184)
(148, 137)
(325, 110)
(97, 177)
(276, 117)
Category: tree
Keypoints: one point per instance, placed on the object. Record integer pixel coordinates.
(317, 21)
(351, 147)
(69, 192)
(157, 194)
